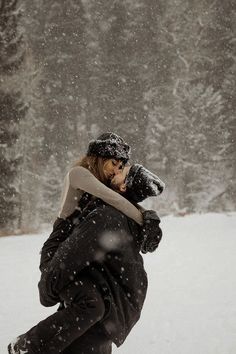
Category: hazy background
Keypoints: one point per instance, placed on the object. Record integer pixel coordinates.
(160, 73)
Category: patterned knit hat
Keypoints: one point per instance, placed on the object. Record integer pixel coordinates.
(109, 145)
(141, 184)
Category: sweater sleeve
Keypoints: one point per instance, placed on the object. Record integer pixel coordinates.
(81, 178)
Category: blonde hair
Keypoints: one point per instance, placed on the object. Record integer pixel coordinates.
(95, 165)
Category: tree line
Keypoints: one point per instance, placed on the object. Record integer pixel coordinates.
(159, 73)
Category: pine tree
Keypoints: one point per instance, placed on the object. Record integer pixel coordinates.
(225, 17)
(51, 190)
(56, 32)
(30, 147)
(12, 107)
(200, 154)
(188, 128)
(12, 47)
(10, 113)
(159, 73)
(116, 64)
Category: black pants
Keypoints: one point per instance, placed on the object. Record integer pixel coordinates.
(71, 328)
(94, 341)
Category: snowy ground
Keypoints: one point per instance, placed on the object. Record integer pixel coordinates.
(190, 307)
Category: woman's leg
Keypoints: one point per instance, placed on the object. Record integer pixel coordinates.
(74, 254)
(84, 308)
(94, 341)
(61, 230)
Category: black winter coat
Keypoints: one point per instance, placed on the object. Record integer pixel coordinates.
(105, 247)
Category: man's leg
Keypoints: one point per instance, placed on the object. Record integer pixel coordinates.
(84, 308)
(94, 341)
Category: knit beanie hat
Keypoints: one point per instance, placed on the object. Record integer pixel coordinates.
(141, 184)
(109, 145)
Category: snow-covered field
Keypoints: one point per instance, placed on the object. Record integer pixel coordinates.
(190, 307)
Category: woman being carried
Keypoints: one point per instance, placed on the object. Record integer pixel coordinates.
(88, 312)
(106, 157)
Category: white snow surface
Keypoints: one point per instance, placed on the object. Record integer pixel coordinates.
(190, 305)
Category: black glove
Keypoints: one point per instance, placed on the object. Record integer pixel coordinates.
(151, 232)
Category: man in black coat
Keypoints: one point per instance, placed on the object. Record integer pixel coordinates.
(105, 247)
(98, 274)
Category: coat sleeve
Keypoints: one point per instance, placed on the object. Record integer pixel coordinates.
(151, 233)
(81, 178)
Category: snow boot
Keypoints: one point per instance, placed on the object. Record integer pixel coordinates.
(15, 347)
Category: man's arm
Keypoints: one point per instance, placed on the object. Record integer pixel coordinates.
(150, 232)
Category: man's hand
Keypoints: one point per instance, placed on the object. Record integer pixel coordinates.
(151, 232)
